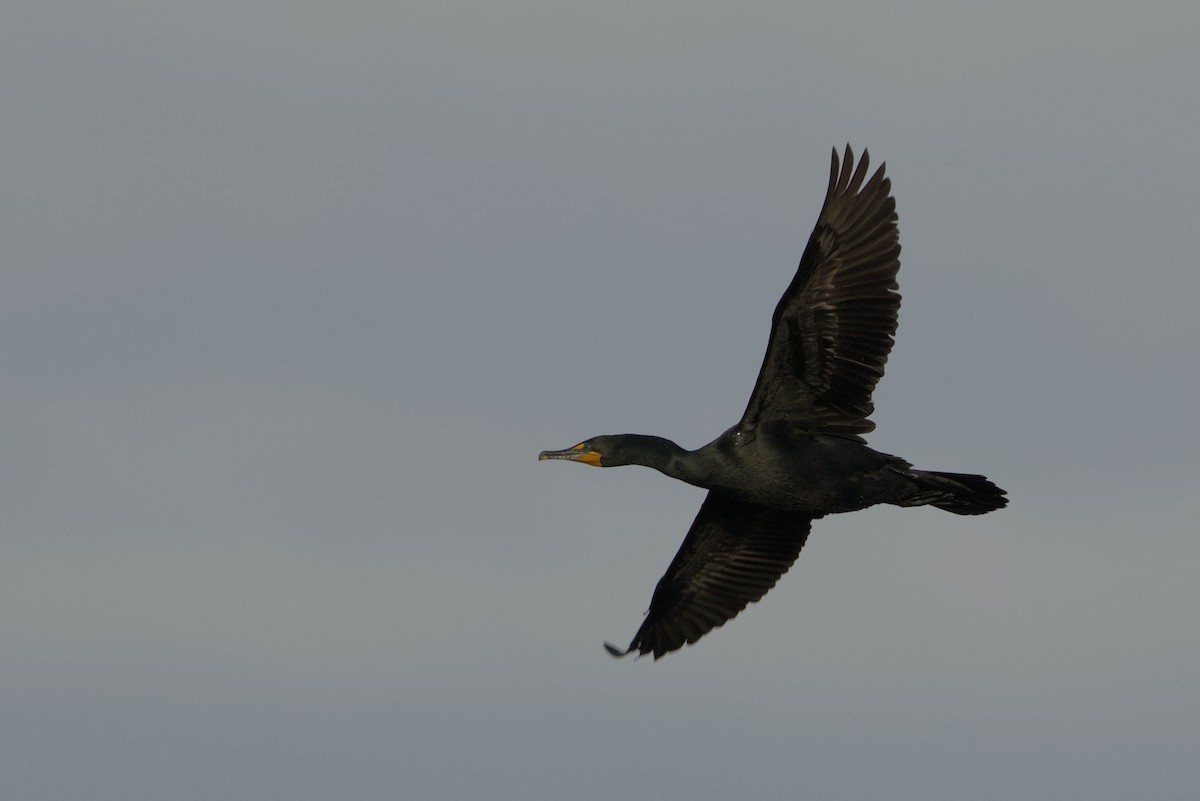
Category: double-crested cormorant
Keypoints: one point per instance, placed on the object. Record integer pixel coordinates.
(796, 454)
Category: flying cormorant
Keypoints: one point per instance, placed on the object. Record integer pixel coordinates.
(797, 454)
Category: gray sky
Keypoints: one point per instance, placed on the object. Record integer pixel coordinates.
(293, 294)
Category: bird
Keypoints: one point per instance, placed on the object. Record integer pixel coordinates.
(798, 452)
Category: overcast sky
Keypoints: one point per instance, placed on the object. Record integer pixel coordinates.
(294, 292)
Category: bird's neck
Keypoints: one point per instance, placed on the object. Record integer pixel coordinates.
(670, 459)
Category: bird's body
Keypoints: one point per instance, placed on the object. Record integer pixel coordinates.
(778, 466)
(797, 454)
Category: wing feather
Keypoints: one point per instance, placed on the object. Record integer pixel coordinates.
(732, 555)
(832, 330)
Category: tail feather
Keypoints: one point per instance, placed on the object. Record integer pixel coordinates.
(961, 493)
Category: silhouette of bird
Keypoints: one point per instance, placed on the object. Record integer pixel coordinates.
(797, 454)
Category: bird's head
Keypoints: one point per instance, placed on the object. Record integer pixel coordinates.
(609, 450)
(597, 451)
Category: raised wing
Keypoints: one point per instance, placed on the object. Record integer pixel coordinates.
(832, 330)
(733, 553)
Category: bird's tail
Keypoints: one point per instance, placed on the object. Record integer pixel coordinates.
(961, 493)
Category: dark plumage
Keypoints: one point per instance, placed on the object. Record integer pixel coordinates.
(797, 454)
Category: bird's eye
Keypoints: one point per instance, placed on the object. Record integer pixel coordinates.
(585, 447)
